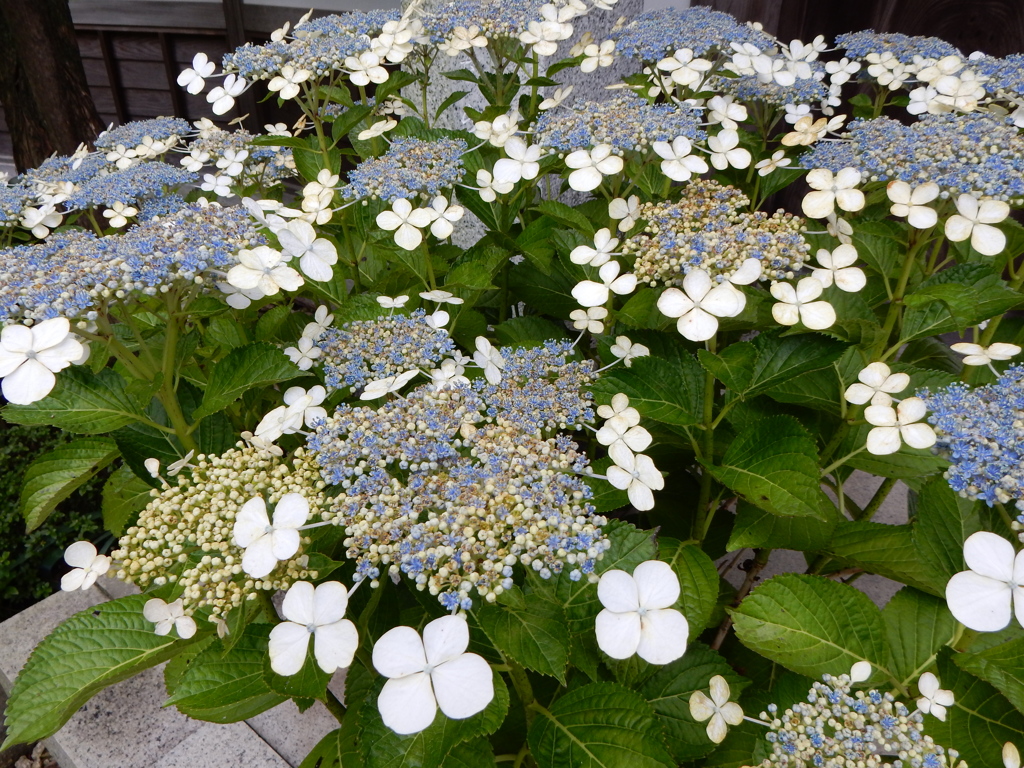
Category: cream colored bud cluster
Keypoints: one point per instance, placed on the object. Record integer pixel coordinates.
(184, 535)
(709, 228)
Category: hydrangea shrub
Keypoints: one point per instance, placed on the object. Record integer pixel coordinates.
(484, 416)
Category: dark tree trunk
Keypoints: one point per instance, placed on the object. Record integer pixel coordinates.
(42, 81)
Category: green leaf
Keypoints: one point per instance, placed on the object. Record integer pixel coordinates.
(532, 632)
(942, 523)
(567, 215)
(755, 528)
(1002, 666)
(93, 649)
(887, 550)
(669, 391)
(980, 721)
(81, 402)
(732, 366)
(270, 322)
(549, 293)
(528, 331)
(326, 753)
(383, 748)
(882, 244)
(698, 580)
(781, 359)
(811, 625)
(601, 725)
(124, 494)
(225, 331)
(476, 753)
(227, 687)
(245, 368)
(954, 298)
(669, 691)
(773, 464)
(56, 475)
(641, 311)
(452, 98)
(916, 626)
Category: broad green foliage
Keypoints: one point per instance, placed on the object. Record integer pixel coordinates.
(92, 650)
(82, 403)
(56, 475)
(811, 625)
(772, 464)
(227, 687)
(601, 725)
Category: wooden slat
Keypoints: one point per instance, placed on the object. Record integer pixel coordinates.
(131, 46)
(142, 104)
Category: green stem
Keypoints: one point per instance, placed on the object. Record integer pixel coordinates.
(878, 499)
(761, 558)
(896, 305)
(707, 451)
(839, 462)
(521, 682)
(135, 366)
(168, 395)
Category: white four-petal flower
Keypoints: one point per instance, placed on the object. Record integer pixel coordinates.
(603, 250)
(87, 564)
(638, 617)
(877, 384)
(837, 267)
(266, 543)
(592, 294)
(591, 166)
(264, 269)
(699, 305)
(319, 612)
(316, 255)
(429, 673)
(717, 709)
(799, 305)
(168, 616)
(892, 424)
(488, 358)
(911, 203)
(637, 476)
(974, 219)
(934, 700)
(406, 222)
(828, 191)
(725, 150)
(678, 163)
(984, 597)
(30, 356)
(975, 354)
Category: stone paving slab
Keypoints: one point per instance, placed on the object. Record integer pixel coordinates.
(127, 726)
(291, 733)
(220, 746)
